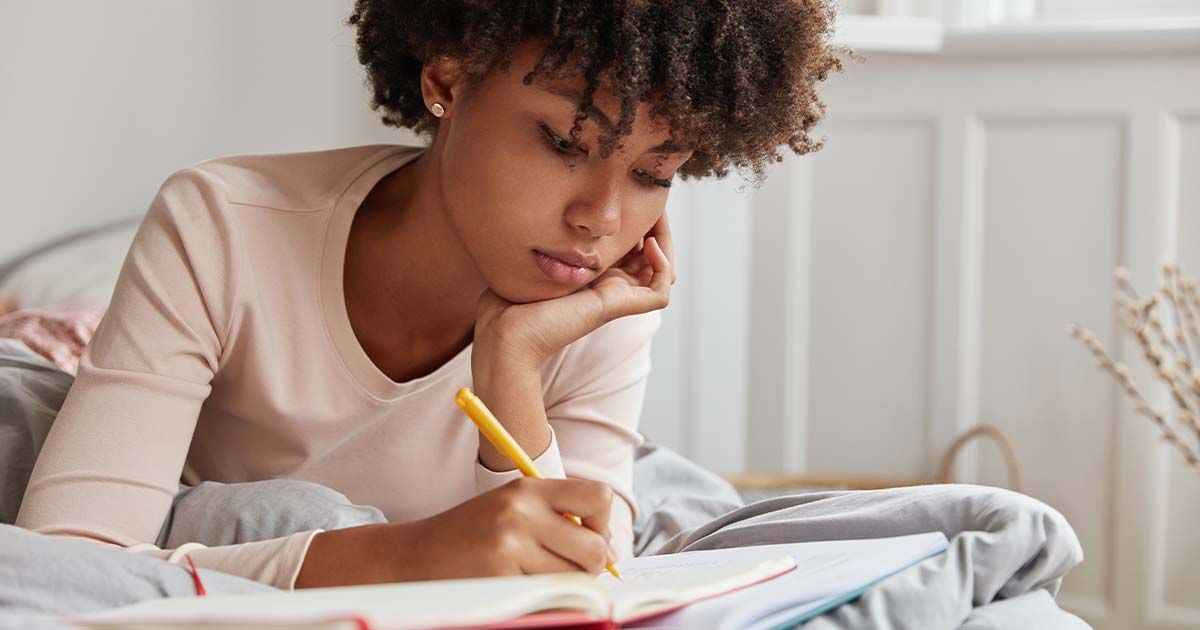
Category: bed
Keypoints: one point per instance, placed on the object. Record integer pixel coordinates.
(1007, 558)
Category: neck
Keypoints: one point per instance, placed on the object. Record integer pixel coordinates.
(405, 265)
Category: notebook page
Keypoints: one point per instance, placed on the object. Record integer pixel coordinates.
(393, 606)
(827, 573)
(652, 585)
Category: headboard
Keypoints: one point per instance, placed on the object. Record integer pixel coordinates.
(78, 268)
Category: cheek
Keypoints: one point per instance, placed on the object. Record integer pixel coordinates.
(503, 211)
(503, 183)
(487, 196)
(500, 210)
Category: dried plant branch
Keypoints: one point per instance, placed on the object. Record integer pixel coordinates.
(1190, 300)
(1162, 367)
(1173, 352)
(1171, 290)
(1193, 304)
(1121, 372)
(1191, 419)
(1164, 339)
(1185, 337)
(1140, 318)
(1125, 282)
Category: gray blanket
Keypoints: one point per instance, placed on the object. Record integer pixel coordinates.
(1007, 557)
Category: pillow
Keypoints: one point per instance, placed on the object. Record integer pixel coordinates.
(79, 269)
(31, 392)
(58, 335)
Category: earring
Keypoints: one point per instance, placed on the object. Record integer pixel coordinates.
(438, 110)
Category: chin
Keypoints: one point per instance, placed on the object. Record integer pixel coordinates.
(525, 292)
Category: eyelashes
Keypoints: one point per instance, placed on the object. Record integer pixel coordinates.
(653, 181)
(568, 149)
(558, 143)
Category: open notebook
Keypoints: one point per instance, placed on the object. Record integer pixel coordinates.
(709, 587)
(828, 574)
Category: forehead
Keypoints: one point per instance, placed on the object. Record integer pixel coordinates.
(568, 88)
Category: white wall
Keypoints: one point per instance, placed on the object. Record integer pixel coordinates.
(1113, 9)
(100, 101)
(1002, 11)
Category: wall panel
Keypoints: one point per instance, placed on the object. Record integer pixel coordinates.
(1052, 200)
(1179, 520)
(871, 281)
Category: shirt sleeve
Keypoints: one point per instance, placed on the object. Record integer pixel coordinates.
(549, 464)
(594, 402)
(112, 461)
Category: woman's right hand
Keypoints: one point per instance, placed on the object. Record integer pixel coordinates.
(515, 529)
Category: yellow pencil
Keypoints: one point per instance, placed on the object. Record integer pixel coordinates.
(499, 437)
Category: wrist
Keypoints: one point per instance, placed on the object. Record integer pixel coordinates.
(512, 390)
(492, 367)
(352, 556)
(500, 341)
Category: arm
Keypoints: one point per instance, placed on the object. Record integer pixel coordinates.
(594, 404)
(112, 461)
(592, 408)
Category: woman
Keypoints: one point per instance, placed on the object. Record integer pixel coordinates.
(310, 316)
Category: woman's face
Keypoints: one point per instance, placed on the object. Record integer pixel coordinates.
(518, 193)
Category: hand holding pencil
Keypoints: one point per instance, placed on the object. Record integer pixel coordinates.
(498, 436)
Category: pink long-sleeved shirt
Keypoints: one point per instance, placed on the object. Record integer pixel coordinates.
(227, 355)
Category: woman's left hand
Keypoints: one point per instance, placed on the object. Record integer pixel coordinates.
(638, 283)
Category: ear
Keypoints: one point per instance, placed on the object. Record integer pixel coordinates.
(442, 81)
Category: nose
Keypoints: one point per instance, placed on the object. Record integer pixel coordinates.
(597, 211)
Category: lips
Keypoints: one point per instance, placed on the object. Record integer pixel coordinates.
(577, 259)
(562, 272)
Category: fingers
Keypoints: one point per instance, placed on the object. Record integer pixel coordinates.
(641, 290)
(546, 560)
(568, 546)
(662, 234)
(656, 292)
(587, 499)
(581, 548)
(660, 262)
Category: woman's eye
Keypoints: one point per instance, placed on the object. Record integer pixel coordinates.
(560, 144)
(567, 148)
(651, 180)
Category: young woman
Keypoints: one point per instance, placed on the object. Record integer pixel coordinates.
(310, 316)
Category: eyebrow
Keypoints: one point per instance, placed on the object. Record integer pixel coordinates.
(603, 120)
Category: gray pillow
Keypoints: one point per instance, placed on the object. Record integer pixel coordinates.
(31, 392)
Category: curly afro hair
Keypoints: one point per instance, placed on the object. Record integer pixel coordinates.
(734, 80)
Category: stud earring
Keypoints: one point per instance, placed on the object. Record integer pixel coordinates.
(438, 110)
